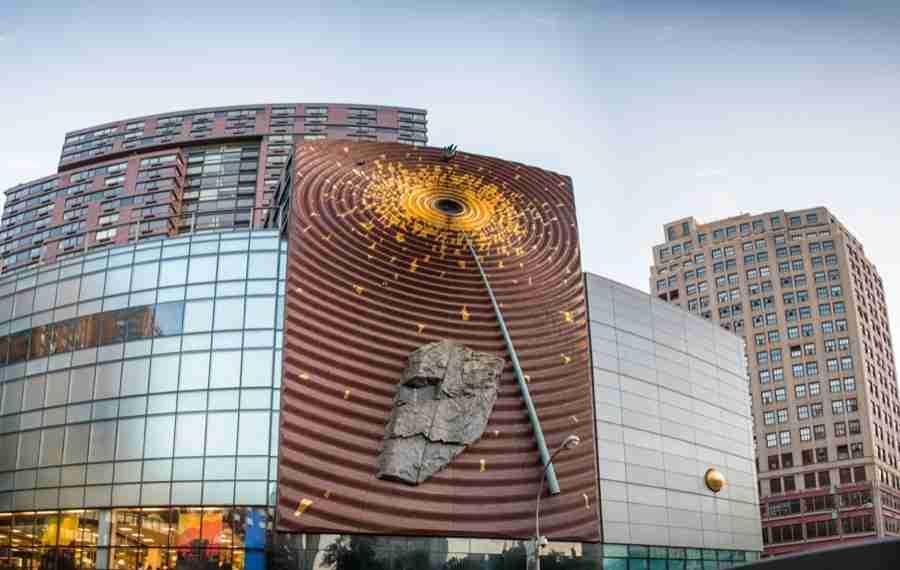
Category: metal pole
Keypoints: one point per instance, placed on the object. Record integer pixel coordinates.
(537, 508)
(549, 471)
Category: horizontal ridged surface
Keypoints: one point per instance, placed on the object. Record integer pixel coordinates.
(372, 275)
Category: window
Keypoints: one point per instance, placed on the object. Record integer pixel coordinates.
(837, 407)
(819, 431)
(846, 363)
(846, 475)
(800, 391)
(778, 374)
(814, 389)
(106, 234)
(793, 332)
(850, 384)
(790, 483)
(853, 427)
(774, 465)
(797, 370)
(840, 429)
(771, 440)
(805, 433)
(843, 452)
(807, 455)
(852, 405)
(775, 485)
(780, 395)
(784, 438)
(802, 411)
(816, 409)
(835, 386)
(809, 480)
(769, 418)
(856, 450)
(108, 219)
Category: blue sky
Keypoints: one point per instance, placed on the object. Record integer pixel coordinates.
(657, 110)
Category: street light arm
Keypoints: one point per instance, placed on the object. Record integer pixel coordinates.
(568, 443)
(537, 509)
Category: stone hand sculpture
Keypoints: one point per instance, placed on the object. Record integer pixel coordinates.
(443, 402)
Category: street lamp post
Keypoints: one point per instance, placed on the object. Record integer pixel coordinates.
(568, 443)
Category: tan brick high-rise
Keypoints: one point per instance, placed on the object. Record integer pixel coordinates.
(810, 306)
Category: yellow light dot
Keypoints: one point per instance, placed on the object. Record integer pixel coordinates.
(302, 506)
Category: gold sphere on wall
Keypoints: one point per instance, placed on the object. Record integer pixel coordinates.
(714, 480)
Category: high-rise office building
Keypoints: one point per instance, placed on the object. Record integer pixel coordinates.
(810, 306)
(174, 173)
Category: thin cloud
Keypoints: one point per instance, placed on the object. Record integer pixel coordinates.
(665, 34)
(711, 173)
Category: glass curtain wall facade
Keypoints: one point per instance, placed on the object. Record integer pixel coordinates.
(138, 413)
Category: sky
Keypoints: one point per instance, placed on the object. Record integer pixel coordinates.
(657, 110)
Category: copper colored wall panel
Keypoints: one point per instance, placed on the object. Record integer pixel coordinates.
(375, 272)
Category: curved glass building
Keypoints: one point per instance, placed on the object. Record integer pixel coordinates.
(143, 377)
